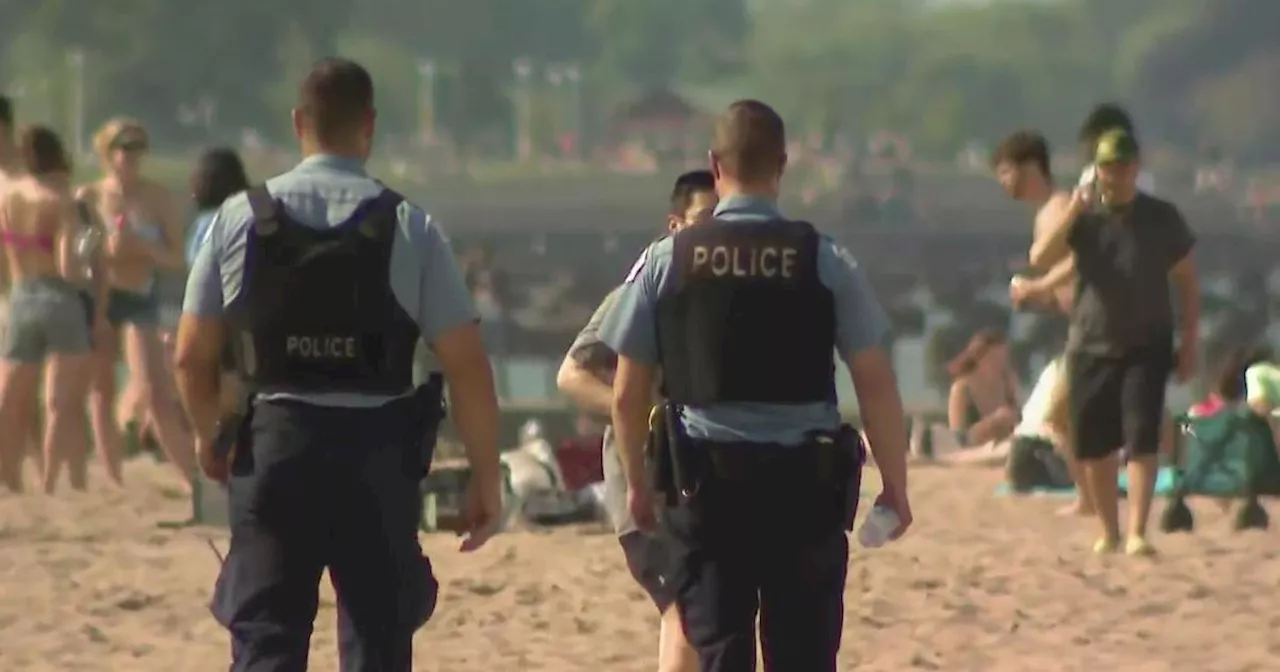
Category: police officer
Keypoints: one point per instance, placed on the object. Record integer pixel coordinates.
(742, 315)
(323, 281)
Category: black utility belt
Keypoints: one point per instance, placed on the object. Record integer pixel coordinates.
(284, 389)
(737, 461)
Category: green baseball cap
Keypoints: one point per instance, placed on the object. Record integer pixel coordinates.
(1116, 146)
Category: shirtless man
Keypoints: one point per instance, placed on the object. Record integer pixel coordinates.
(47, 319)
(1021, 163)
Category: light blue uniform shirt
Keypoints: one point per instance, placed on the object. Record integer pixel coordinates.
(323, 192)
(631, 331)
(199, 231)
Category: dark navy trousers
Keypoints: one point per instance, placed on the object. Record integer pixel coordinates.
(764, 538)
(316, 488)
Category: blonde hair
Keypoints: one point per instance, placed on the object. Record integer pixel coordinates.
(110, 133)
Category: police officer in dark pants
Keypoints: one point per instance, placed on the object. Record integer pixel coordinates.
(323, 281)
(743, 315)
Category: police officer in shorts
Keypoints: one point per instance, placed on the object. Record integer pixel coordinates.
(742, 315)
(323, 281)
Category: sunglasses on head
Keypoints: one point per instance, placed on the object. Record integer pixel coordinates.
(132, 146)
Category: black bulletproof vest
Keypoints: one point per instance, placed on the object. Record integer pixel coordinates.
(316, 312)
(745, 317)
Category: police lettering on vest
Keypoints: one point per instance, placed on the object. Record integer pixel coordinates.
(321, 347)
(317, 311)
(769, 261)
(744, 316)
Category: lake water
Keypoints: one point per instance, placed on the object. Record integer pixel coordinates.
(533, 379)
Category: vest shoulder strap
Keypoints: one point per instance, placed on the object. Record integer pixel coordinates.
(266, 213)
(378, 217)
(262, 203)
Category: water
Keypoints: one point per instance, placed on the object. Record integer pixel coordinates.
(532, 379)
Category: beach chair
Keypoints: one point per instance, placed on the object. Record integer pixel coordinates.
(1230, 454)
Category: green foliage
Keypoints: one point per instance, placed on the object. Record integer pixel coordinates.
(942, 72)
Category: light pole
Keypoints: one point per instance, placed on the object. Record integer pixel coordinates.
(573, 74)
(523, 69)
(76, 60)
(427, 71)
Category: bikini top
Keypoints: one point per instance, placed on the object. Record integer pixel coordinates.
(20, 241)
(150, 232)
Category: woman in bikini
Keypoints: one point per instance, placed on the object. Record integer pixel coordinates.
(218, 174)
(144, 234)
(49, 331)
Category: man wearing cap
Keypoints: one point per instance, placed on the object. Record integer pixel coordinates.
(323, 281)
(1102, 118)
(1127, 254)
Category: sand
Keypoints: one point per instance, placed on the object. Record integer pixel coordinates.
(90, 582)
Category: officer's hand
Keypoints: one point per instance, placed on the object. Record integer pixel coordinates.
(482, 513)
(216, 468)
(901, 507)
(640, 506)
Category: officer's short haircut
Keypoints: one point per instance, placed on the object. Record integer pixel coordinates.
(688, 184)
(42, 152)
(1103, 118)
(750, 141)
(336, 97)
(6, 113)
(1023, 147)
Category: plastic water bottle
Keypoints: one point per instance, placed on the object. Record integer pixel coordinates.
(877, 527)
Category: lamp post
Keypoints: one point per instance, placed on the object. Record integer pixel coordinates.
(75, 59)
(427, 71)
(573, 75)
(523, 70)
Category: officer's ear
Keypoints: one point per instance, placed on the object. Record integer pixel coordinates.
(296, 116)
(714, 162)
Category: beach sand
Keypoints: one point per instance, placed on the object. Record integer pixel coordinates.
(90, 582)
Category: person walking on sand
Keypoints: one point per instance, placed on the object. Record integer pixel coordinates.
(1131, 256)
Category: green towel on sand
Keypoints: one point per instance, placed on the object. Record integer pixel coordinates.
(1165, 481)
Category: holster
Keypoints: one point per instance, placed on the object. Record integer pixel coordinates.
(848, 442)
(665, 457)
(431, 410)
(232, 440)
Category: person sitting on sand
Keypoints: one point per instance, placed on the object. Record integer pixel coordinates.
(1034, 455)
(1262, 384)
(1037, 455)
(1244, 375)
(982, 407)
